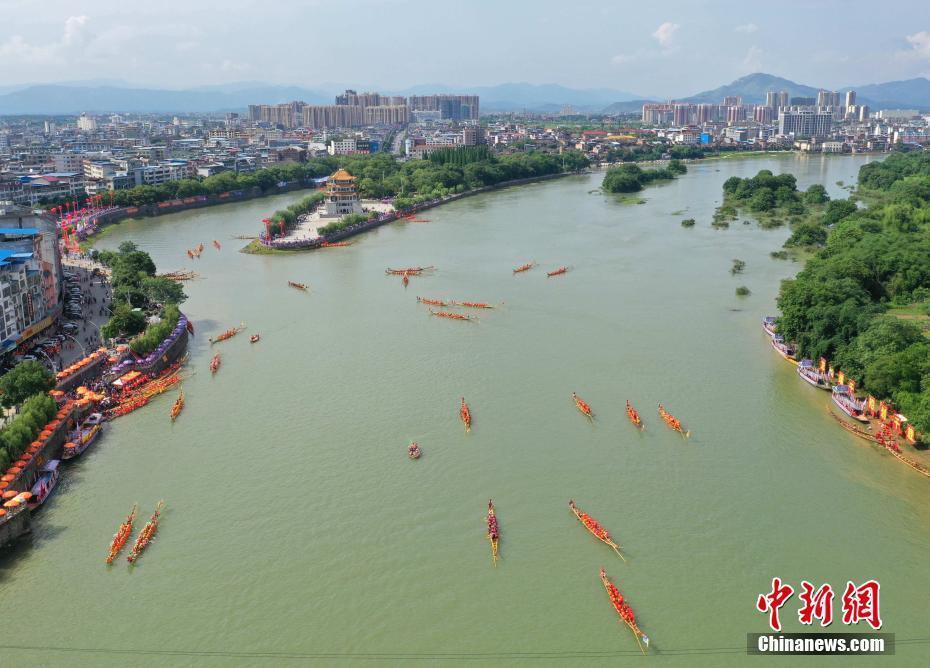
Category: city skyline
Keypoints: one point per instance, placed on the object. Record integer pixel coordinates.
(632, 48)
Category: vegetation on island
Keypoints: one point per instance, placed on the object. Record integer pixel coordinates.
(289, 215)
(137, 294)
(743, 291)
(444, 172)
(347, 220)
(688, 222)
(738, 266)
(628, 178)
(654, 153)
(863, 299)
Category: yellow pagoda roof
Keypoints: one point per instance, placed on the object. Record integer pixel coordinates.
(342, 175)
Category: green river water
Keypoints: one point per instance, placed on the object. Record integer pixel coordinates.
(298, 531)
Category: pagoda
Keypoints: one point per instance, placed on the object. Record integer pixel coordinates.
(342, 195)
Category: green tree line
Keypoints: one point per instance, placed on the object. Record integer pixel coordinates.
(35, 412)
(137, 290)
(875, 260)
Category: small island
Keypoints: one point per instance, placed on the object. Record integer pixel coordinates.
(628, 178)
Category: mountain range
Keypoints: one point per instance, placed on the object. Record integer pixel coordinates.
(98, 96)
(910, 93)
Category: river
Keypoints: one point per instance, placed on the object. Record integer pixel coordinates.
(297, 528)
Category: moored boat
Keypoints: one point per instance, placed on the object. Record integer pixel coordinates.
(768, 324)
(44, 484)
(335, 244)
(783, 348)
(255, 338)
(493, 533)
(406, 280)
(87, 433)
(215, 363)
(122, 535)
(177, 407)
(299, 286)
(594, 528)
(216, 244)
(556, 272)
(413, 451)
(524, 267)
(625, 611)
(146, 535)
(582, 406)
(465, 414)
(452, 316)
(809, 372)
(634, 415)
(847, 402)
(672, 422)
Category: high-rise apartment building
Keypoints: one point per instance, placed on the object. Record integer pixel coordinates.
(805, 123)
(451, 107)
(828, 98)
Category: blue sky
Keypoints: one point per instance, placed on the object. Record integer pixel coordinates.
(669, 48)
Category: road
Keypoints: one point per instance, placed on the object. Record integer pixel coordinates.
(96, 311)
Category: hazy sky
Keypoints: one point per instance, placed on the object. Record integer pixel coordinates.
(665, 48)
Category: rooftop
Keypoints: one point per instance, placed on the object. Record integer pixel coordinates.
(342, 175)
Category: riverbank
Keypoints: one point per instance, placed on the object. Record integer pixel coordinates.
(265, 247)
(106, 220)
(109, 381)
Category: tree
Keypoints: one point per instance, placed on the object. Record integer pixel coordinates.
(23, 381)
(838, 209)
(125, 321)
(807, 234)
(161, 290)
(816, 194)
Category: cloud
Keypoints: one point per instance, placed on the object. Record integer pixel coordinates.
(920, 44)
(752, 61)
(74, 31)
(665, 34)
(747, 28)
(624, 58)
(74, 35)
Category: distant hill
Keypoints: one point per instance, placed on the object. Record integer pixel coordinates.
(630, 107)
(71, 99)
(752, 88)
(77, 97)
(908, 94)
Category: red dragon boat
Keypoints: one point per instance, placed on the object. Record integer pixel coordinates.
(122, 535)
(557, 272)
(673, 423)
(452, 316)
(625, 611)
(146, 535)
(582, 406)
(594, 528)
(493, 533)
(465, 414)
(633, 415)
(433, 302)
